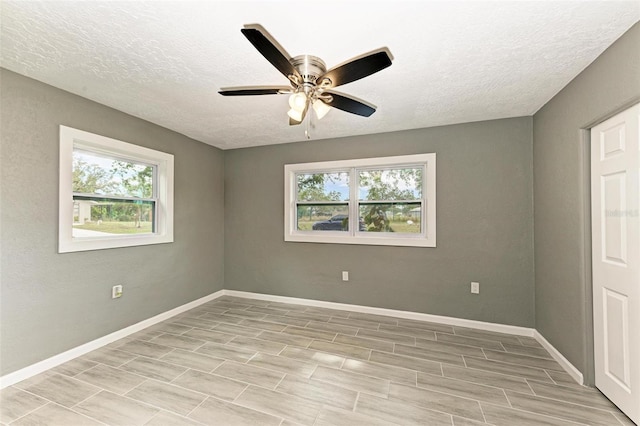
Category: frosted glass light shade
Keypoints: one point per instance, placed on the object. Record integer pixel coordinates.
(321, 109)
(295, 114)
(298, 101)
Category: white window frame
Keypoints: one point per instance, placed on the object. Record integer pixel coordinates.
(71, 138)
(428, 225)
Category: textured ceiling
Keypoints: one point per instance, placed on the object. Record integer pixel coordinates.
(454, 62)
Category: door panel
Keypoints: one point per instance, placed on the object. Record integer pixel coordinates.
(614, 225)
(616, 338)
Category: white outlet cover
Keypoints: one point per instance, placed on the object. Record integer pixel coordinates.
(116, 291)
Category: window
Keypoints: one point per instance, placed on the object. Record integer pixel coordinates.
(112, 193)
(380, 201)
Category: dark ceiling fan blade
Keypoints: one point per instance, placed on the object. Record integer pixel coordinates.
(350, 104)
(254, 90)
(357, 68)
(270, 49)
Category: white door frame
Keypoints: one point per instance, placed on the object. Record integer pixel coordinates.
(610, 385)
(589, 371)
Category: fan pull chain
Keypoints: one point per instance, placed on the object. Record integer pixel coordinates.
(310, 125)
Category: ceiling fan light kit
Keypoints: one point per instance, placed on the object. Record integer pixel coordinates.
(311, 85)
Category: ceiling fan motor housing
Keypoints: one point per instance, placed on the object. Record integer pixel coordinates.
(310, 69)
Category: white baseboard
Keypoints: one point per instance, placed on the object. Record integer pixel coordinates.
(63, 357)
(460, 322)
(564, 363)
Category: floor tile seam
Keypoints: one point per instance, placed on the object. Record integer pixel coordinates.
(414, 358)
(355, 402)
(279, 392)
(463, 381)
(193, 368)
(529, 355)
(382, 365)
(578, 388)
(611, 410)
(100, 389)
(360, 374)
(267, 370)
(125, 396)
(341, 368)
(139, 354)
(404, 334)
(525, 355)
(372, 393)
(75, 376)
(144, 378)
(280, 381)
(333, 323)
(484, 418)
(515, 365)
(429, 359)
(423, 407)
(521, 410)
(384, 340)
(179, 415)
(351, 372)
(355, 406)
(76, 412)
(166, 408)
(196, 407)
(46, 402)
(243, 382)
(364, 338)
(488, 332)
(80, 372)
(494, 372)
(246, 317)
(456, 395)
(187, 349)
(463, 346)
(182, 374)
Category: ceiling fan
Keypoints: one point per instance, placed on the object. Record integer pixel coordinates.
(311, 84)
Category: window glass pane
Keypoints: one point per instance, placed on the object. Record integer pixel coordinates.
(391, 217)
(390, 184)
(323, 186)
(97, 174)
(323, 217)
(95, 217)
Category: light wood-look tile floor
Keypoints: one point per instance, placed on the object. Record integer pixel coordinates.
(236, 361)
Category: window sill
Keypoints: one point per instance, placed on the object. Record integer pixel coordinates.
(102, 243)
(335, 238)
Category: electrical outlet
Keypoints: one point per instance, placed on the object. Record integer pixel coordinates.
(116, 291)
(475, 288)
(345, 275)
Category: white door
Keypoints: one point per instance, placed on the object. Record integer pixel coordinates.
(615, 209)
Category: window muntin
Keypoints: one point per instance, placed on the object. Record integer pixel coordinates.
(390, 201)
(112, 193)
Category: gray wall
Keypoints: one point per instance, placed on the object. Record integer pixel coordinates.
(52, 302)
(484, 214)
(561, 194)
